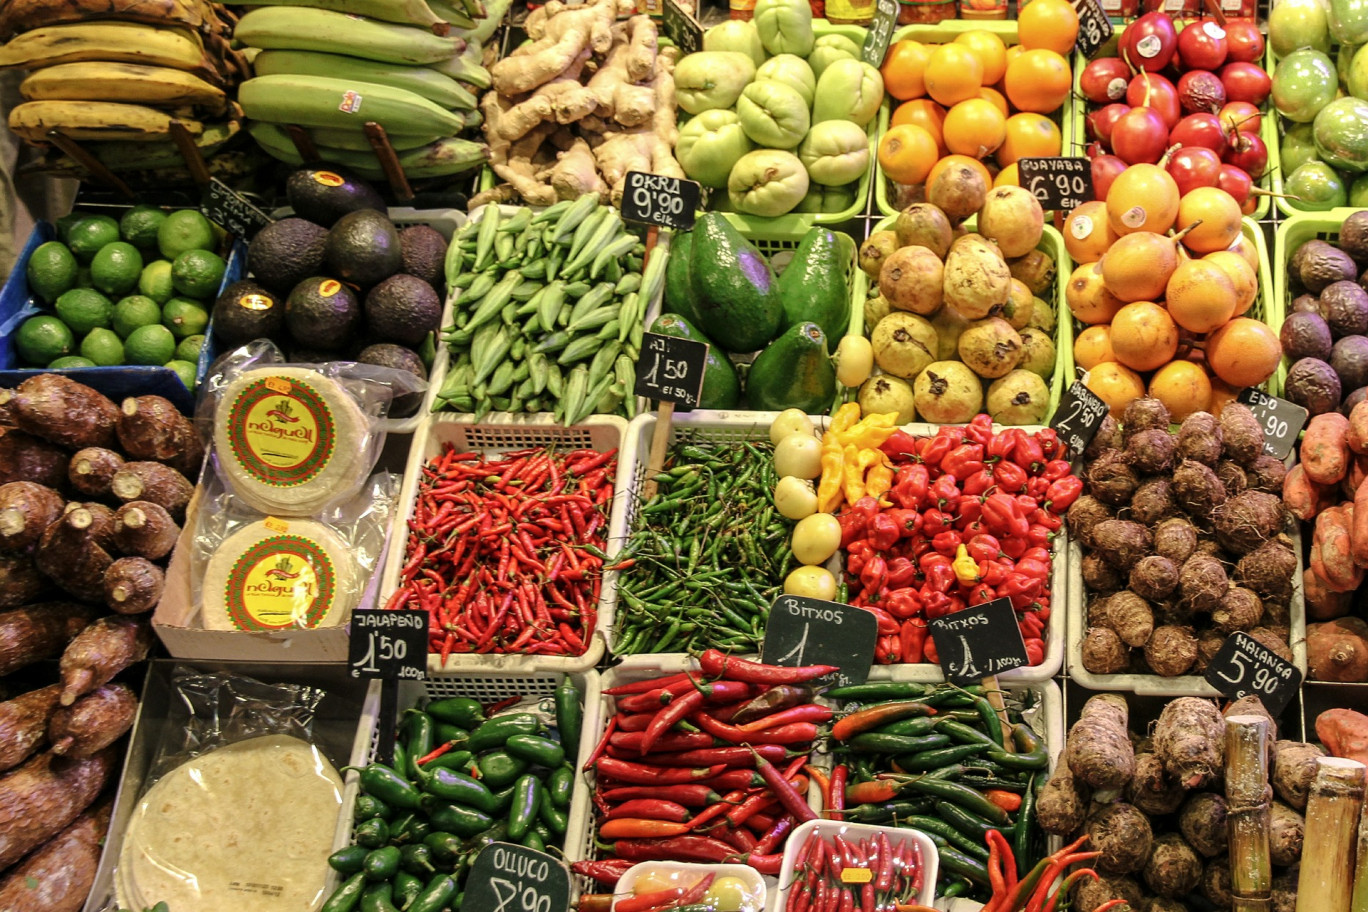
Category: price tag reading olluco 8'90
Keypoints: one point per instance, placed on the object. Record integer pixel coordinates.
(655, 200)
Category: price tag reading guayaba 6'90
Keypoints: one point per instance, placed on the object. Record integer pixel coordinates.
(807, 631)
(1244, 666)
(880, 32)
(671, 370)
(979, 642)
(1080, 413)
(1094, 28)
(512, 878)
(1281, 420)
(388, 644)
(665, 201)
(1058, 184)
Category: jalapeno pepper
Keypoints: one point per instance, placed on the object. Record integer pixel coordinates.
(569, 713)
(435, 896)
(552, 816)
(455, 818)
(560, 784)
(535, 749)
(495, 732)
(347, 895)
(378, 898)
(380, 864)
(406, 889)
(462, 789)
(527, 798)
(445, 847)
(384, 783)
(348, 860)
(462, 711)
(372, 833)
(418, 728)
(416, 859)
(368, 806)
(499, 768)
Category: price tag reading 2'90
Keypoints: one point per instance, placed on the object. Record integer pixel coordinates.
(665, 201)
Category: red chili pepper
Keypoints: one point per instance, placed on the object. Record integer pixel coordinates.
(650, 808)
(669, 898)
(1008, 801)
(945, 493)
(979, 482)
(792, 800)
(884, 532)
(912, 639)
(678, 848)
(774, 833)
(980, 430)
(676, 711)
(937, 449)
(1063, 493)
(810, 712)
(640, 774)
(904, 603)
(1056, 469)
(899, 444)
(946, 543)
(765, 864)
(874, 573)
(836, 799)
(640, 828)
(671, 741)
(734, 755)
(901, 572)
(1010, 477)
(793, 733)
(718, 664)
(606, 871)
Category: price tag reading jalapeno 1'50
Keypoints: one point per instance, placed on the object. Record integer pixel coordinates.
(665, 201)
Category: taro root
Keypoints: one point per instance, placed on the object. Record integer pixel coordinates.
(1345, 308)
(1241, 437)
(1197, 490)
(1062, 804)
(1201, 582)
(1100, 576)
(1090, 893)
(92, 469)
(1285, 887)
(1209, 642)
(1199, 438)
(1103, 651)
(1131, 617)
(1121, 832)
(1268, 570)
(64, 412)
(1086, 513)
(1111, 479)
(1293, 771)
(1151, 451)
(1108, 437)
(26, 510)
(1153, 501)
(1274, 640)
(1190, 738)
(1216, 883)
(1203, 823)
(1172, 610)
(24, 457)
(1097, 611)
(1286, 828)
(1175, 539)
(1305, 335)
(1144, 414)
(1267, 474)
(1151, 789)
(1240, 609)
(20, 581)
(1172, 869)
(1122, 543)
(1098, 749)
(1164, 904)
(1232, 476)
(1153, 578)
(1171, 650)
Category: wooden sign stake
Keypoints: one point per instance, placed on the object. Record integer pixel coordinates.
(92, 164)
(660, 441)
(993, 691)
(389, 161)
(303, 144)
(194, 158)
(389, 720)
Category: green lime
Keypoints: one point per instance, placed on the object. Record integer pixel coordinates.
(134, 311)
(155, 281)
(186, 371)
(63, 224)
(51, 270)
(90, 234)
(83, 277)
(84, 309)
(149, 345)
(69, 361)
(198, 273)
(41, 339)
(184, 229)
(139, 226)
(184, 317)
(189, 348)
(103, 347)
(116, 268)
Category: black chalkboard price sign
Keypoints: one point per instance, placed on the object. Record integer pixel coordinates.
(1244, 666)
(388, 644)
(1094, 28)
(808, 631)
(512, 878)
(1078, 417)
(880, 32)
(671, 370)
(1281, 420)
(231, 211)
(979, 642)
(656, 200)
(681, 28)
(1058, 184)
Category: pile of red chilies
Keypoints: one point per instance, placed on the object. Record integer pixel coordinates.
(706, 768)
(507, 555)
(821, 882)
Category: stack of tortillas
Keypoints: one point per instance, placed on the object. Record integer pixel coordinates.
(279, 574)
(246, 826)
(290, 440)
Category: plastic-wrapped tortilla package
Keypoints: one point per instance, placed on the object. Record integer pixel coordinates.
(242, 815)
(258, 573)
(295, 439)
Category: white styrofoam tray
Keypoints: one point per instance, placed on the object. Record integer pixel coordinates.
(828, 829)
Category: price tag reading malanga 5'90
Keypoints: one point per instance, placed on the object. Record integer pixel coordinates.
(671, 370)
(1244, 666)
(1281, 420)
(512, 878)
(808, 631)
(978, 642)
(655, 200)
(1058, 184)
(388, 644)
(1080, 413)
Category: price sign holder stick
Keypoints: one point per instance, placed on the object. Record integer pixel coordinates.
(389, 161)
(1213, 7)
(389, 720)
(660, 442)
(993, 691)
(194, 159)
(92, 164)
(303, 144)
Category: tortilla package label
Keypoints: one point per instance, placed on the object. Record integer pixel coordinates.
(266, 578)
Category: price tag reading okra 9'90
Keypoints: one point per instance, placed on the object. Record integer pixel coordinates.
(1245, 667)
(1080, 413)
(807, 631)
(979, 642)
(665, 201)
(388, 644)
(1281, 420)
(671, 370)
(1058, 184)
(513, 878)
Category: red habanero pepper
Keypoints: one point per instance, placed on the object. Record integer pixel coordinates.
(935, 520)
(911, 487)
(1033, 569)
(852, 527)
(935, 604)
(940, 575)
(993, 572)
(979, 482)
(999, 449)
(899, 445)
(1002, 515)
(981, 594)
(912, 637)
(904, 603)
(1037, 488)
(937, 449)
(874, 573)
(1040, 553)
(1031, 625)
(1056, 469)
(946, 543)
(883, 532)
(857, 555)
(1010, 477)
(1027, 454)
(1025, 504)
(1014, 547)
(945, 492)
(983, 547)
(1042, 517)
(963, 461)
(1037, 535)
(901, 572)
(887, 624)
(980, 430)
(908, 521)
(1035, 651)
(1019, 585)
(1050, 443)
(1063, 493)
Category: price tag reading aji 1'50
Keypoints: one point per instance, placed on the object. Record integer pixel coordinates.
(1244, 666)
(671, 370)
(655, 200)
(807, 631)
(388, 644)
(979, 642)
(512, 878)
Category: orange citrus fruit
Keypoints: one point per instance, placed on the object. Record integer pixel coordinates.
(953, 74)
(1008, 177)
(990, 51)
(924, 113)
(988, 93)
(975, 128)
(1038, 81)
(1051, 24)
(907, 153)
(1029, 136)
(904, 69)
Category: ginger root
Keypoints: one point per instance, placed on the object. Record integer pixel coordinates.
(560, 34)
(575, 173)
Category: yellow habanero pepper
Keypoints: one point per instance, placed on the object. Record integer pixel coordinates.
(966, 569)
(871, 431)
(829, 486)
(853, 472)
(845, 418)
(879, 479)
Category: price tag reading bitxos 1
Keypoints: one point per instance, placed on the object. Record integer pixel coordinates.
(511, 878)
(1281, 420)
(1094, 28)
(1058, 184)
(656, 200)
(388, 644)
(808, 631)
(880, 32)
(1080, 413)
(1244, 666)
(979, 642)
(681, 28)
(671, 370)
(231, 211)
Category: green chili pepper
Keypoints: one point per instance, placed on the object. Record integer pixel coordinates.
(569, 713)
(958, 863)
(879, 743)
(378, 898)
(436, 895)
(1021, 843)
(387, 785)
(347, 895)
(372, 833)
(534, 840)
(937, 758)
(496, 731)
(1031, 755)
(406, 889)
(455, 818)
(420, 738)
(381, 863)
(458, 760)
(535, 749)
(974, 827)
(918, 726)
(368, 806)
(348, 860)
(445, 847)
(527, 798)
(462, 711)
(446, 733)
(498, 768)
(503, 799)
(461, 789)
(560, 784)
(961, 795)
(879, 690)
(552, 816)
(416, 859)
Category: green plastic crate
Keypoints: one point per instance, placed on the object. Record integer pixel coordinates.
(1051, 242)
(1069, 117)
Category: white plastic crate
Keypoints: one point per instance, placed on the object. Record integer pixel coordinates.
(494, 435)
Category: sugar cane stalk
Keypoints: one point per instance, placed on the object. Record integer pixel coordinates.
(1325, 882)
(1249, 798)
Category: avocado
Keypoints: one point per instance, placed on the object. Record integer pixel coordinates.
(385, 354)
(734, 287)
(794, 371)
(285, 253)
(403, 309)
(322, 313)
(813, 285)
(721, 388)
(247, 311)
(363, 248)
(424, 254)
(324, 193)
(679, 291)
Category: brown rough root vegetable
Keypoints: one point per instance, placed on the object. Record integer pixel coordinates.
(1325, 454)
(1089, 894)
(65, 412)
(1111, 479)
(1084, 516)
(1267, 474)
(1209, 642)
(26, 510)
(133, 585)
(71, 556)
(92, 469)
(1202, 581)
(1108, 437)
(1199, 438)
(1242, 438)
(1344, 733)
(1274, 639)
(101, 651)
(1172, 869)
(1202, 821)
(1098, 749)
(1286, 831)
(41, 798)
(1232, 475)
(93, 722)
(160, 484)
(1337, 650)
(1062, 805)
(145, 529)
(1131, 617)
(1216, 883)
(1103, 651)
(1151, 451)
(1153, 578)
(1175, 539)
(59, 876)
(1100, 576)
(1171, 650)
(1163, 904)
(24, 457)
(150, 427)
(1248, 520)
(23, 724)
(1121, 832)
(1197, 490)
(20, 581)
(1293, 771)
(1153, 501)
(1240, 609)
(1144, 414)
(1151, 789)
(1122, 543)
(1269, 569)
(1190, 738)
(38, 631)
(1357, 434)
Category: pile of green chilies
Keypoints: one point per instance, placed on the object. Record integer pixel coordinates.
(710, 553)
